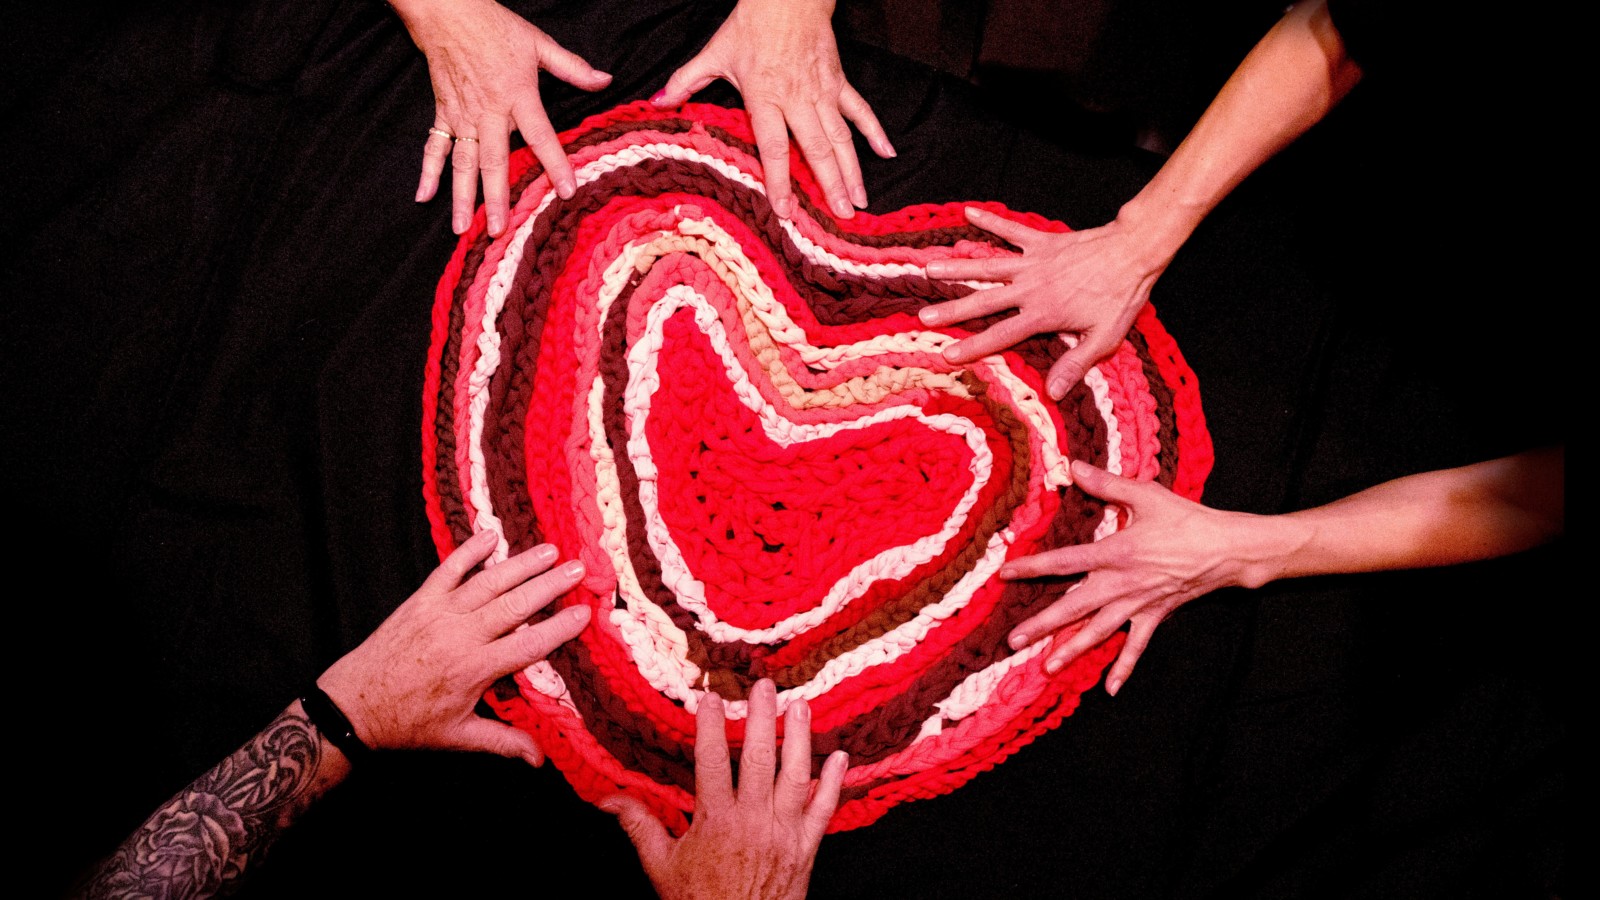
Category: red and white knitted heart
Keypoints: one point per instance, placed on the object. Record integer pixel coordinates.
(740, 426)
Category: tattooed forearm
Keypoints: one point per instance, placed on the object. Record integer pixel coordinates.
(200, 842)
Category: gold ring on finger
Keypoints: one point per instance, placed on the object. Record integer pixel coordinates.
(442, 133)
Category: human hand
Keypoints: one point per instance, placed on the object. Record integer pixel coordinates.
(1173, 551)
(782, 58)
(1091, 283)
(413, 683)
(758, 843)
(484, 61)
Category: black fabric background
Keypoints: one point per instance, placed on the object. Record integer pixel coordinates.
(216, 290)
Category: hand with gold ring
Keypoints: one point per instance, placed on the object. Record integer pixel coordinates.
(484, 61)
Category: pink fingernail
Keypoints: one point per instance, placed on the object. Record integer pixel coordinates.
(1058, 388)
(1113, 686)
(659, 96)
(1018, 641)
(1008, 572)
(858, 196)
(843, 209)
(785, 208)
(572, 569)
(802, 712)
(1052, 667)
(578, 613)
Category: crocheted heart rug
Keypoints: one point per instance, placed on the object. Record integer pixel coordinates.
(740, 426)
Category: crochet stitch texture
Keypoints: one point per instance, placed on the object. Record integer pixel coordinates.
(740, 426)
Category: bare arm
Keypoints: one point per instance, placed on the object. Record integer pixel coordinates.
(1093, 283)
(1175, 550)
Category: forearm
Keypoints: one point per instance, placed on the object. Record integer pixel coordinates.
(202, 841)
(1287, 83)
(1439, 518)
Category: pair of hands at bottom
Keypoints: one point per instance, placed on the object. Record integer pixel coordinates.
(414, 682)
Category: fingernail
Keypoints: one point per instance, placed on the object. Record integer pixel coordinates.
(578, 613)
(596, 73)
(1008, 572)
(421, 193)
(495, 226)
(1058, 388)
(935, 269)
(1052, 666)
(565, 189)
(838, 759)
(802, 712)
(858, 196)
(458, 223)
(659, 96)
(1018, 641)
(573, 569)
(843, 209)
(951, 352)
(609, 805)
(545, 553)
(1113, 686)
(483, 537)
(785, 208)
(928, 316)
(885, 149)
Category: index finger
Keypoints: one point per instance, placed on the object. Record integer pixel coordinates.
(541, 137)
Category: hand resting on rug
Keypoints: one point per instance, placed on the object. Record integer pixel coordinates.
(1175, 550)
(412, 684)
(1092, 283)
(782, 57)
(484, 61)
(758, 841)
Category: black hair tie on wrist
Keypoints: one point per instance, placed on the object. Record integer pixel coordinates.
(332, 722)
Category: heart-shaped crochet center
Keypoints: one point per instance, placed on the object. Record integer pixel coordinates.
(739, 425)
(771, 515)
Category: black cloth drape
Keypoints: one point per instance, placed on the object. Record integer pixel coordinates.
(216, 290)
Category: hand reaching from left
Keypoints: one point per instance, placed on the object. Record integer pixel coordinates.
(758, 843)
(782, 57)
(1172, 551)
(414, 682)
(484, 61)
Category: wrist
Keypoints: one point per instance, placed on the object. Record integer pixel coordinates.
(337, 717)
(1156, 229)
(1268, 548)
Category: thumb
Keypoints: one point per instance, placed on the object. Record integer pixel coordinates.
(501, 740)
(649, 837)
(572, 68)
(1076, 363)
(691, 77)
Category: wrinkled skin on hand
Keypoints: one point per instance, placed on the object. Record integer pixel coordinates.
(1172, 551)
(1090, 283)
(782, 57)
(484, 61)
(414, 682)
(756, 843)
